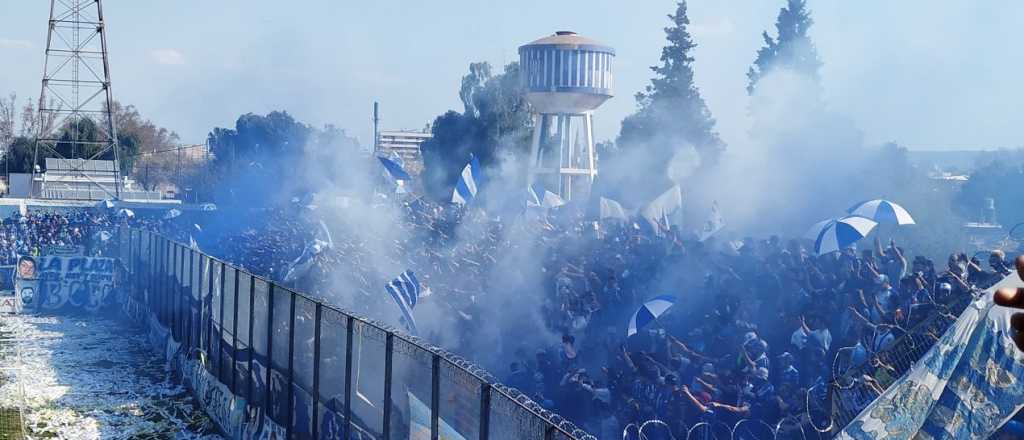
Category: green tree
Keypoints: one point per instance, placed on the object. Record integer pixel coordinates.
(18, 157)
(496, 118)
(671, 115)
(792, 49)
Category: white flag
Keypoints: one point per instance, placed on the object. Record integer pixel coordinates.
(612, 209)
(714, 224)
(661, 208)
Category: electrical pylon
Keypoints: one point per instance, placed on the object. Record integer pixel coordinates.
(76, 104)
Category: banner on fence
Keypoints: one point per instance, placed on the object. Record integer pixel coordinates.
(419, 422)
(9, 301)
(967, 386)
(62, 282)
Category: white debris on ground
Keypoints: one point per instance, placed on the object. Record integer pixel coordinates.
(95, 378)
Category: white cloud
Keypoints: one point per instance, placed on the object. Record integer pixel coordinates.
(168, 57)
(6, 43)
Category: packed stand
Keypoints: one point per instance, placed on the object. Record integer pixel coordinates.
(756, 325)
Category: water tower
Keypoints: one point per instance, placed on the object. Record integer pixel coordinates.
(566, 77)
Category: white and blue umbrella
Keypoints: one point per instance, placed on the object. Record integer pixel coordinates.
(106, 204)
(123, 212)
(207, 207)
(172, 214)
(836, 234)
(648, 312)
(883, 212)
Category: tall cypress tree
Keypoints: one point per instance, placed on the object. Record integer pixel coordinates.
(671, 112)
(792, 49)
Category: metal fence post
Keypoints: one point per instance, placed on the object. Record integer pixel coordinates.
(252, 349)
(349, 337)
(291, 366)
(389, 347)
(234, 338)
(485, 410)
(317, 316)
(220, 327)
(209, 315)
(191, 288)
(270, 348)
(435, 397)
(176, 294)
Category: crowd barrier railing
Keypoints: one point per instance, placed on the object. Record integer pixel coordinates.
(745, 429)
(852, 389)
(262, 358)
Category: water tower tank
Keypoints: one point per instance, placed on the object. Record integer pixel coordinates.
(566, 78)
(566, 73)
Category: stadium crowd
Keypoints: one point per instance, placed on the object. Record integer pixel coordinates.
(758, 322)
(756, 325)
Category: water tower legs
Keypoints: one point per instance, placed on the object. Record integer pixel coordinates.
(563, 161)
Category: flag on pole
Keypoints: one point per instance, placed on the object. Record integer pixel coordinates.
(532, 200)
(552, 200)
(661, 208)
(405, 290)
(612, 209)
(714, 224)
(394, 169)
(465, 189)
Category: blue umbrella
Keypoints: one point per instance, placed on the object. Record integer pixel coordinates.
(836, 234)
(648, 312)
(883, 211)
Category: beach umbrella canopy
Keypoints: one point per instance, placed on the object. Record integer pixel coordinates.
(208, 207)
(106, 204)
(126, 213)
(883, 212)
(648, 312)
(836, 234)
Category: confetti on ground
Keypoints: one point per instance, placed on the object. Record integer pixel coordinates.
(93, 378)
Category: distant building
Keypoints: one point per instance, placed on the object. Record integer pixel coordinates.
(77, 179)
(405, 144)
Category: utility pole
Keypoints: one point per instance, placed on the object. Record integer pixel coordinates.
(76, 76)
(376, 127)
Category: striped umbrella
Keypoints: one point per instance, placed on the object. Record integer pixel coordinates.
(835, 234)
(883, 211)
(648, 312)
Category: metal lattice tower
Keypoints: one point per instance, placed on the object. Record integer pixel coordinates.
(76, 104)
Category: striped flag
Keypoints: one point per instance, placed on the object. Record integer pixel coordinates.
(465, 189)
(394, 169)
(405, 290)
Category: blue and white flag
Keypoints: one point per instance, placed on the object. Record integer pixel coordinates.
(322, 241)
(648, 312)
(405, 290)
(532, 200)
(394, 169)
(465, 189)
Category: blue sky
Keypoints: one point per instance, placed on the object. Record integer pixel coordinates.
(930, 75)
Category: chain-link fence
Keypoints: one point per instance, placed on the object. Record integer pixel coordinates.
(855, 386)
(12, 403)
(315, 370)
